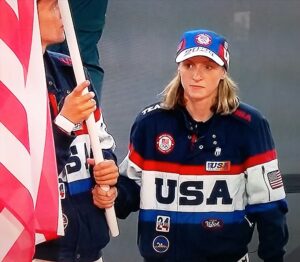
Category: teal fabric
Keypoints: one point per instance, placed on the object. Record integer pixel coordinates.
(89, 15)
(89, 20)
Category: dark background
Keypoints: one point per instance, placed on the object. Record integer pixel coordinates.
(137, 53)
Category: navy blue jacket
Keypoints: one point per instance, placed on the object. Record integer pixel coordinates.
(202, 187)
(86, 230)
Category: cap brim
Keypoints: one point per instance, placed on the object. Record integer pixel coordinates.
(188, 53)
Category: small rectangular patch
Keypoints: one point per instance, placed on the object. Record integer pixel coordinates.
(163, 223)
(62, 190)
(275, 179)
(217, 165)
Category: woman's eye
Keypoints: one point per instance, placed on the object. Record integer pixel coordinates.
(189, 65)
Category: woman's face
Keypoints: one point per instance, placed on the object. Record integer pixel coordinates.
(51, 26)
(200, 77)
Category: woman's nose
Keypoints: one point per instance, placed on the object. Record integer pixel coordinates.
(197, 74)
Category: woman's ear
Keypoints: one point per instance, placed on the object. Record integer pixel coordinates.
(178, 70)
(224, 74)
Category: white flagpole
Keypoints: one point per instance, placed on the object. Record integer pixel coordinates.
(90, 122)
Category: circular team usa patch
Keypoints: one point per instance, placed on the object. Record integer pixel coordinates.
(165, 143)
(203, 39)
(160, 244)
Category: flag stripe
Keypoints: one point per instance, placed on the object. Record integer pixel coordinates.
(17, 33)
(15, 157)
(14, 120)
(11, 227)
(10, 65)
(47, 223)
(13, 198)
(15, 203)
(22, 249)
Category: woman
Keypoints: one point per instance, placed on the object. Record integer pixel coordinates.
(206, 166)
(86, 230)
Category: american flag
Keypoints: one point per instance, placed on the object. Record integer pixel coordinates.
(275, 179)
(29, 200)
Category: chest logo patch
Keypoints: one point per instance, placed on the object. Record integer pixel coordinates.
(165, 143)
(217, 166)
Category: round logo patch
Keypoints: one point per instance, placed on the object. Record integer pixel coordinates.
(65, 221)
(203, 39)
(160, 244)
(165, 143)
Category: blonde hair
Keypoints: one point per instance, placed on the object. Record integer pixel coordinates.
(226, 101)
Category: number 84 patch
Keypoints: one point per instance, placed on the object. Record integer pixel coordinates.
(163, 223)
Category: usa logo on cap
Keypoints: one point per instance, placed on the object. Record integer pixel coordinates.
(203, 39)
(203, 43)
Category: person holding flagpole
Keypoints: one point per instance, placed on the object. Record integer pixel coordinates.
(83, 200)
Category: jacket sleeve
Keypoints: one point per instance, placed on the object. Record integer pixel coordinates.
(128, 199)
(129, 183)
(273, 231)
(267, 206)
(107, 142)
(62, 143)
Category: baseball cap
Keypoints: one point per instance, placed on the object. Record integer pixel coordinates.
(203, 43)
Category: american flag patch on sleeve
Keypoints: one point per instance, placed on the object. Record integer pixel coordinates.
(275, 179)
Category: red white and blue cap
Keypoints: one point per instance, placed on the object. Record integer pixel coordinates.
(203, 43)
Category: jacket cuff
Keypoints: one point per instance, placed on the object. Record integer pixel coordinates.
(64, 123)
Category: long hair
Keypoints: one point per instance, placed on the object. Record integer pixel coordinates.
(226, 101)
